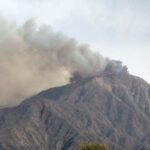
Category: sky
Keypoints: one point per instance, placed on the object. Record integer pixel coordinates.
(118, 29)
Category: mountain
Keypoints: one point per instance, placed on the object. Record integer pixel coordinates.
(112, 108)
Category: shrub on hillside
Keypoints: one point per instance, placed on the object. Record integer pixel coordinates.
(92, 147)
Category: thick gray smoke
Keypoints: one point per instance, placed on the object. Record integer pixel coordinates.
(35, 58)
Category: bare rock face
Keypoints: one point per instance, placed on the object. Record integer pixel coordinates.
(107, 109)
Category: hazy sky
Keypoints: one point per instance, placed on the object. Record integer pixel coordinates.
(119, 29)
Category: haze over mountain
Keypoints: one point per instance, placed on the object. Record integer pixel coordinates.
(32, 56)
(112, 108)
(117, 29)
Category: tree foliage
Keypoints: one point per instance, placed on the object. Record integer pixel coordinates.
(92, 147)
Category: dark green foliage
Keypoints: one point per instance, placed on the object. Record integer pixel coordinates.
(92, 147)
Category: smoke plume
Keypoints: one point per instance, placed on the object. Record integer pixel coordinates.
(33, 58)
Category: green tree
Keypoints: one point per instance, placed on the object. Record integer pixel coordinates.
(92, 147)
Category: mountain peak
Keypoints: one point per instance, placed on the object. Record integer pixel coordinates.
(113, 70)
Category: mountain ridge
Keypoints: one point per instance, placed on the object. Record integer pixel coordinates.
(113, 109)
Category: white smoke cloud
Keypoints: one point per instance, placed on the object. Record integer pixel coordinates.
(34, 58)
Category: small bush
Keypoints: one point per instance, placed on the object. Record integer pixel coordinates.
(92, 147)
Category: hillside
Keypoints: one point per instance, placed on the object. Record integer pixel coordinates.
(110, 108)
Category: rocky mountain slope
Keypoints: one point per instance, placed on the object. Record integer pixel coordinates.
(113, 108)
